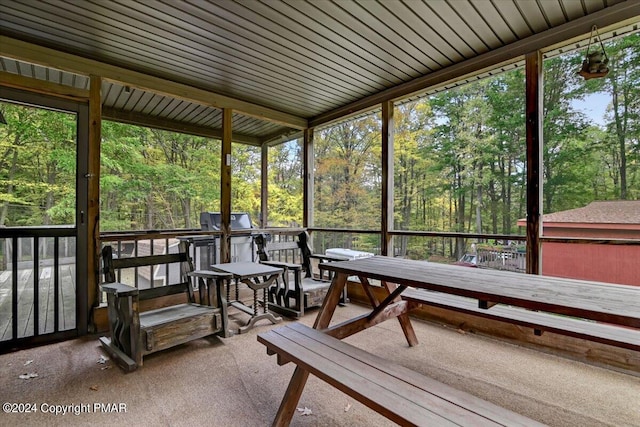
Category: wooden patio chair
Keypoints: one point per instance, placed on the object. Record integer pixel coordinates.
(299, 287)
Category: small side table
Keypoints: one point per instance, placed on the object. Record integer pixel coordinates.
(257, 277)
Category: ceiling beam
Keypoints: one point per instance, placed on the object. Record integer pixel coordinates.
(140, 119)
(625, 12)
(35, 54)
(42, 86)
(281, 136)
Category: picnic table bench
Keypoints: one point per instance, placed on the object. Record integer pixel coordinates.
(405, 396)
(400, 394)
(539, 321)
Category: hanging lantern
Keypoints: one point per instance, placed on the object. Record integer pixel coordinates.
(595, 63)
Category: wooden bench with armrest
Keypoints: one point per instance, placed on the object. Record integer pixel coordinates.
(400, 394)
(135, 333)
(299, 287)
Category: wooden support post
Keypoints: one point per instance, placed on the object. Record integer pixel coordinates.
(264, 186)
(308, 178)
(534, 97)
(225, 186)
(387, 179)
(93, 195)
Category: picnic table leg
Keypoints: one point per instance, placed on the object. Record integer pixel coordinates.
(405, 323)
(331, 301)
(299, 379)
(291, 398)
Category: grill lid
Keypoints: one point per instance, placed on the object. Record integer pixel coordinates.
(210, 221)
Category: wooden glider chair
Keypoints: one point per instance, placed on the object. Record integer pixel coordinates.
(299, 287)
(178, 318)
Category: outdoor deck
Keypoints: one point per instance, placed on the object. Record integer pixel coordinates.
(46, 301)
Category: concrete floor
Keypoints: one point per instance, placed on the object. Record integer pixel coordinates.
(232, 382)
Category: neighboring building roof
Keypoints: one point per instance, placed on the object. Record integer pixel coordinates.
(604, 212)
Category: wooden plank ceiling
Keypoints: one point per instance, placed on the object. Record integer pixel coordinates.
(312, 59)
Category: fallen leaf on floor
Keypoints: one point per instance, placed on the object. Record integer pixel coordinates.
(28, 362)
(28, 376)
(102, 360)
(93, 388)
(346, 408)
(305, 411)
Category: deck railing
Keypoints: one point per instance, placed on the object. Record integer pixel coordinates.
(43, 251)
(37, 282)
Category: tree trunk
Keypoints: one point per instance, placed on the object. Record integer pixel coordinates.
(620, 122)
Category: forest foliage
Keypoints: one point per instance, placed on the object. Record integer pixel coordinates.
(459, 158)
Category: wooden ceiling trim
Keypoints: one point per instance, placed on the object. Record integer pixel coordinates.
(29, 52)
(42, 86)
(134, 118)
(281, 136)
(620, 14)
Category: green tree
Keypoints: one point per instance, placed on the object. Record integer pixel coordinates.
(347, 177)
(623, 85)
(285, 184)
(37, 166)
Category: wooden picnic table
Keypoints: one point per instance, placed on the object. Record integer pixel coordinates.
(603, 302)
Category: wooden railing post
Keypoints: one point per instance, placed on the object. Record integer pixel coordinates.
(264, 186)
(307, 170)
(387, 179)
(534, 97)
(225, 187)
(93, 196)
